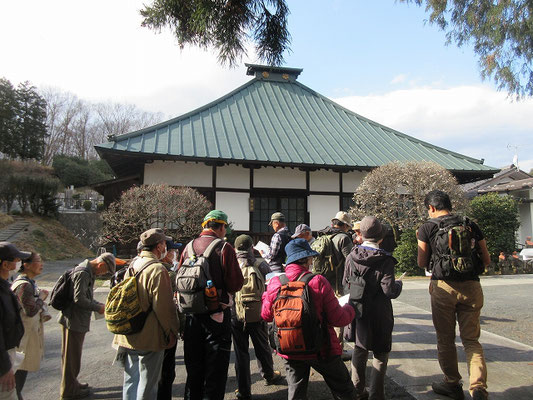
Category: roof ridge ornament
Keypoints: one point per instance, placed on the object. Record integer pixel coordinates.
(273, 73)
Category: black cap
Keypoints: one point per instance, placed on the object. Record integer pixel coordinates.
(9, 252)
(171, 245)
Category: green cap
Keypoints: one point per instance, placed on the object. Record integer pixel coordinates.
(217, 216)
(243, 243)
(277, 216)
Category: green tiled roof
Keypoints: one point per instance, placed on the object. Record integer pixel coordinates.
(276, 120)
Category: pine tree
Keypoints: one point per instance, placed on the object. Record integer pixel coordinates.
(7, 118)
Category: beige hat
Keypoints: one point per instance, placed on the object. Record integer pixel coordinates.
(110, 261)
(344, 217)
(154, 236)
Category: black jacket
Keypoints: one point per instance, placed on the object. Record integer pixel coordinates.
(374, 330)
(11, 328)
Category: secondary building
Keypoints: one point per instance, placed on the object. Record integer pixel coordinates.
(270, 145)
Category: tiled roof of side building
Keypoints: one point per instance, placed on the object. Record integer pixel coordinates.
(275, 120)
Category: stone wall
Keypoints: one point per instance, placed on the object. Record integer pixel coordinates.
(85, 226)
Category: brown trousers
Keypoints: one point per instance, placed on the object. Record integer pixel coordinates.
(461, 302)
(71, 347)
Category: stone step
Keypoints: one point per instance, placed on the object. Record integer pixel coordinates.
(11, 231)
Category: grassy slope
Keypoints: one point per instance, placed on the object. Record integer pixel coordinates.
(5, 220)
(51, 239)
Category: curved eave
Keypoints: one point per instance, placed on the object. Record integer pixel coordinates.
(121, 162)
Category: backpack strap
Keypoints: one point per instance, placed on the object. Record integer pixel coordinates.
(306, 277)
(190, 249)
(207, 252)
(283, 279)
(21, 280)
(146, 265)
(211, 247)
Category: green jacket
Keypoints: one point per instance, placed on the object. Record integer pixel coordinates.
(77, 317)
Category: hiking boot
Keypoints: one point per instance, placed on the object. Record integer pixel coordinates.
(240, 396)
(276, 378)
(480, 394)
(452, 390)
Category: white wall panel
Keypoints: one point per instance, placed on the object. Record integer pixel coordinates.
(270, 177)
(324, 181)
(321, 210)
(233, 176)
(351, 180)
(525, 211)
(178, 173)
(235, 205)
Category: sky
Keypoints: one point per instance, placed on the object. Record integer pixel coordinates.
(379, 58)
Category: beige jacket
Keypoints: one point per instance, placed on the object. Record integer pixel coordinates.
(155, 290)
(32, 343)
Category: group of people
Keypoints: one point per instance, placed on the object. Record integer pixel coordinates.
(359, 255)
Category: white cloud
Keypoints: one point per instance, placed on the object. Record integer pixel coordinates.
(398, 79)
(473, 120)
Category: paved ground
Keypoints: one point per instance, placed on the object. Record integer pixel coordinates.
(507, 320)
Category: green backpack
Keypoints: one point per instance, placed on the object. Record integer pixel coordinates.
(248, 300)
(123, 311)
(323, 263)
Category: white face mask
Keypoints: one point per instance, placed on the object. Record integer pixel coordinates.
(164, 254)
(13, 272)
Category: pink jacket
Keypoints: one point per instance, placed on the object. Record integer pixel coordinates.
(324, 300)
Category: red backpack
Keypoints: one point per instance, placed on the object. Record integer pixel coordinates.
(297, 328)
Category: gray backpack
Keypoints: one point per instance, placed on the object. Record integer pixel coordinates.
(191, 279)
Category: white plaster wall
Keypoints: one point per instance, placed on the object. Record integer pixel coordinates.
(178, 173)
(526, 218)
(324, 181)
(321, 210)
(233, 176)
(270, 177)
(351, 180)
(236, 206)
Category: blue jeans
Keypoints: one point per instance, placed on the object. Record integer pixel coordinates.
(142, 370)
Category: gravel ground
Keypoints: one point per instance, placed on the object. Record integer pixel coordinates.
(107, 379)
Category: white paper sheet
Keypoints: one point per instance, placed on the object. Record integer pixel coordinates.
(344, 299)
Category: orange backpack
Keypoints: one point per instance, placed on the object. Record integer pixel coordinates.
(296, 328)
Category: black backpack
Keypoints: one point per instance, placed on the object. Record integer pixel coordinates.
(356, 288)
(62, 294)
(455, 247)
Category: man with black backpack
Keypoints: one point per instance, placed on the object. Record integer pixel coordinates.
(454, 250)
(208, 276)
(246, 321)
(76, 319)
